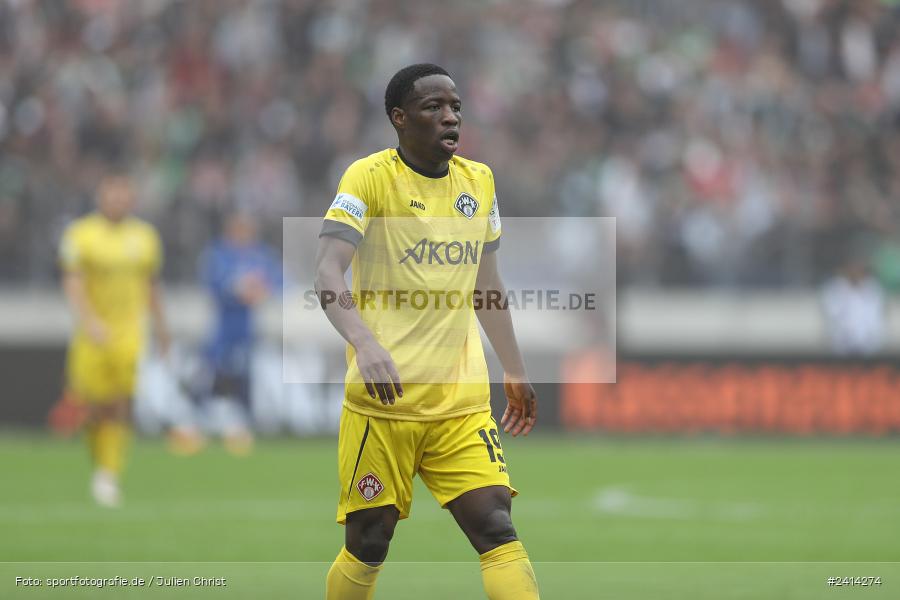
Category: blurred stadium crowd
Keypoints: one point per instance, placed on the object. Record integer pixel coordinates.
(738, 142)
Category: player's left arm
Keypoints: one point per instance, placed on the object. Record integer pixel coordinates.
(155, 302)
(158, 318)
(493, 314)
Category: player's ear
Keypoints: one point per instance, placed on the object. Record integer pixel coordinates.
(398, 117)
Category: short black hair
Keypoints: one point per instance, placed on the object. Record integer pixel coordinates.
(401, 83)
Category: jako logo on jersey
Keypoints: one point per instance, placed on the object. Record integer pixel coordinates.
(370, 486)
(442, 253)
(467, 205)
(351, 205)
(416, 204)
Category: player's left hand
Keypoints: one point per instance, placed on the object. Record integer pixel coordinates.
(521, 405)
(163, 342)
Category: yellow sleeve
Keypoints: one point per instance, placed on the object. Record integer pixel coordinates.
(72, 248)
(353, 206)
(492, 234)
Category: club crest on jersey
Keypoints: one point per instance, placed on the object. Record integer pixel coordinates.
(467, 205)
(369, 486)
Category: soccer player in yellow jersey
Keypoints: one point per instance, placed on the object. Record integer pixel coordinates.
(110, 261)
(421, 228)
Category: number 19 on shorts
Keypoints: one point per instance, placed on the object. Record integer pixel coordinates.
(491, 441)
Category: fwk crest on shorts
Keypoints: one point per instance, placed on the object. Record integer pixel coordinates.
(378, 458)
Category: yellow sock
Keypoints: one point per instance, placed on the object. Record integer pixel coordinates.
(108, 448)
(350, 579)
(507, 573)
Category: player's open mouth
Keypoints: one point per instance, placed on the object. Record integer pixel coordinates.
(450, 140)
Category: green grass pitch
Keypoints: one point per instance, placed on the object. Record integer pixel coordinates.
(601, 518)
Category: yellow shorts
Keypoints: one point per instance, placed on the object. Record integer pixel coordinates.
(378, 458)
(98, 374)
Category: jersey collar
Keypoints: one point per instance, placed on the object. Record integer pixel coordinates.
(420, 171)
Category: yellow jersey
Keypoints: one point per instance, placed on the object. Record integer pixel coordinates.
(117, 262)
(420, 239)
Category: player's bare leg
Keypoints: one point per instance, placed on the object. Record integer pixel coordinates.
(369, 532)
(367, 537)
(484, 516)
(107, 433)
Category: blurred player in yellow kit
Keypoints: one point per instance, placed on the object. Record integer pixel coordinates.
(110, 261)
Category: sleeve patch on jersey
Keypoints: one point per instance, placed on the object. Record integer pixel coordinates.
(351, 205)
(494, 216)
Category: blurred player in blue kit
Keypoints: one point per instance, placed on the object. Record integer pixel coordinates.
(240, 273)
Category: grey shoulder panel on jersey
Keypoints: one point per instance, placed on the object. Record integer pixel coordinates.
(341, 231)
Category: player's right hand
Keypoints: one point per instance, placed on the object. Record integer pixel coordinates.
(378, 371)
(97, 331)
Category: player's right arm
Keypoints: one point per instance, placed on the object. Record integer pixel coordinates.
(375, 363)
(73, 287)
(71, 254)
